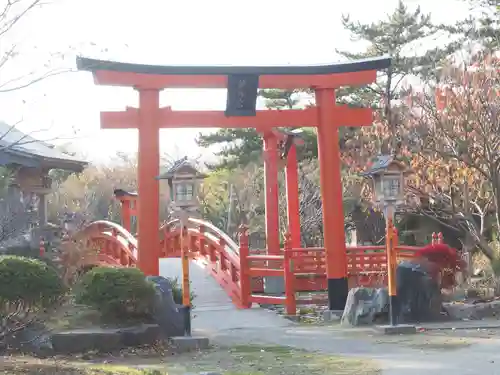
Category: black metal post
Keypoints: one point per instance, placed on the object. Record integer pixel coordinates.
(186, 312)
(393, 311)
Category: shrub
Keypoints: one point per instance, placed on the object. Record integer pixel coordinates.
(29, 252)
(117, 293)
(75, 258)
(28, 288)
(30, 281)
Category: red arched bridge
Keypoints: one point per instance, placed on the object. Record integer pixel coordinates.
(236, 268)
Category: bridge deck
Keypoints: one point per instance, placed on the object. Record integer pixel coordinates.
(214, 312)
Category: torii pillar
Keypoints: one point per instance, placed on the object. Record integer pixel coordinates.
(242, 84)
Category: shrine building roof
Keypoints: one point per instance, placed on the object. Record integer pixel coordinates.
(18, 148)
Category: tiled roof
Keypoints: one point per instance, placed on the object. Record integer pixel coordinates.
(15, 142)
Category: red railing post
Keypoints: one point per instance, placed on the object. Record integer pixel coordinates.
(440, 238)
(166, 242)
(434, 238)
(177, 242)
(290, 300)
(42, 247)
(211, 253)
(125, 259)
(192, 242)
(245, 280)
(222, 254)
(202, 240)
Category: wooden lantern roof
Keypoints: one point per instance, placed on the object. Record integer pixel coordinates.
(182, 166)
(385, 163)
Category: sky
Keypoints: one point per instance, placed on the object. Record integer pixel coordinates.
(66, 108)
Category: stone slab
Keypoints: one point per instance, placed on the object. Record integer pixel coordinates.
(104, 339)
(461, 325)
(79, 341)
(400, 329)
(181, 344)
(332, 315)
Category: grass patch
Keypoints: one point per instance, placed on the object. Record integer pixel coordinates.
(427, 342)
(440, 345)
(236, 360)
(30, 366)
(271, 360)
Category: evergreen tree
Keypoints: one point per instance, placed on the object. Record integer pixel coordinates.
(244, 146)
(483, 26)
(400, 36)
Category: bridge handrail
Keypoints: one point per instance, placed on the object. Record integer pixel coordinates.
(121, 230)
(228, 240)
(120, 234)
(125, 233)
(231, 244)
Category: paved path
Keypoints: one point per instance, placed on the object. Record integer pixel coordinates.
(214, 312)
(217, 318)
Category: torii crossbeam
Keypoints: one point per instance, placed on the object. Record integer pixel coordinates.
(242, 84)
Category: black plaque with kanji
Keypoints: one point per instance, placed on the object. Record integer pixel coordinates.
(242, 92)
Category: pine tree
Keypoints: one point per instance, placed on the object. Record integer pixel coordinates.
(244, 146)
(400, 36)
(397, 36)
(239, 147)
(483, 26)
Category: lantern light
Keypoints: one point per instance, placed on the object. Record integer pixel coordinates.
(184, 182)
(388, 179)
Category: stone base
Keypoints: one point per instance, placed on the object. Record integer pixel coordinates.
(400, 329)
(274, 285)
(104, 339)
(332, 315)
(182, 344)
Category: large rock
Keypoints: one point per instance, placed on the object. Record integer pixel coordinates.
(418, 299)
(364, 305)
(418, 294)
(145, 334)
(166, 312)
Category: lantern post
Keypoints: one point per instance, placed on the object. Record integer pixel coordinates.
(388, 180)
(184, 182)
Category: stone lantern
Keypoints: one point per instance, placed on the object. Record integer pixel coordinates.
(184, 182)
(388, 181)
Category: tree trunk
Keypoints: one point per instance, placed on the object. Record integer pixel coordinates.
(496, 191)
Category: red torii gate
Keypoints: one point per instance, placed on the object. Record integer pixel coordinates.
(242, 84)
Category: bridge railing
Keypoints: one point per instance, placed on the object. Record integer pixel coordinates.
(116, 246)
(237, 268)
(304, 269)
(210, 246)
